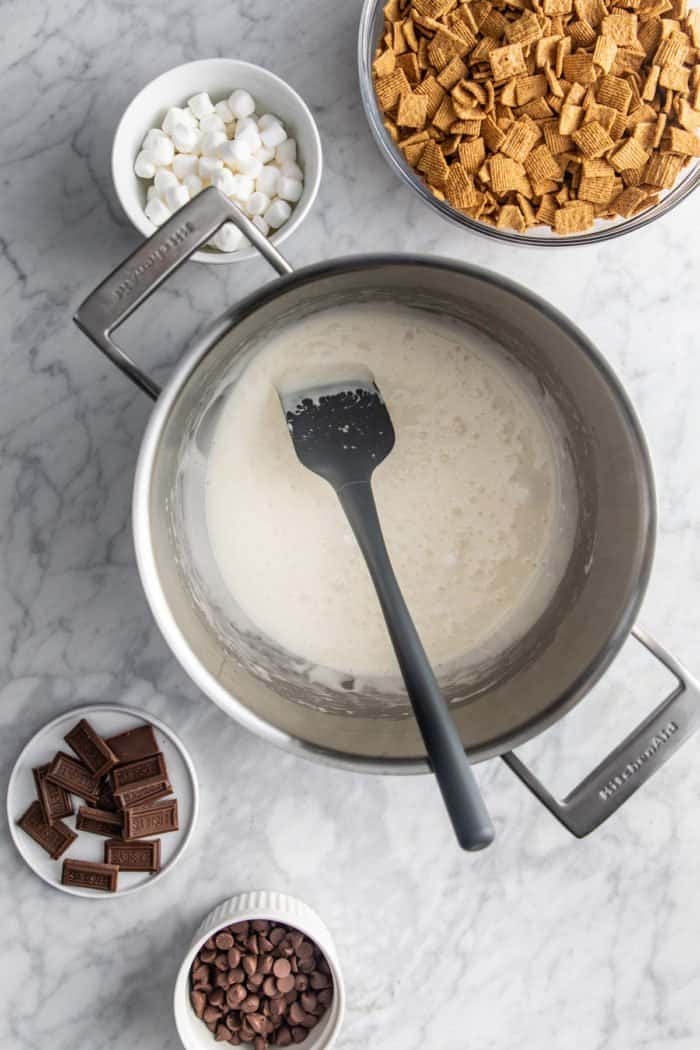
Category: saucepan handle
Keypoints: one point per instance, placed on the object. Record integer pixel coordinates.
(152, 263)
(641, 754)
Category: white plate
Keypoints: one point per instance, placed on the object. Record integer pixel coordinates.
(107, 720)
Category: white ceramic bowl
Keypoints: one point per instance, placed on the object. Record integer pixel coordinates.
(219, 77)
(278, 907)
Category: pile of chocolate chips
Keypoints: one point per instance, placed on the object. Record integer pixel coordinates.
(260, 982)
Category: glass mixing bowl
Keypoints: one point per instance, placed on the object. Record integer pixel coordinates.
(371, 26)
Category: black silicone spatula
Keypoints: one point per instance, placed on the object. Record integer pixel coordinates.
(341, 431)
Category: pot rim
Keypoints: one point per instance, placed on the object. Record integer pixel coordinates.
(145, 558)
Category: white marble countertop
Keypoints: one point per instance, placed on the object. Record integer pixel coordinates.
(542, 941)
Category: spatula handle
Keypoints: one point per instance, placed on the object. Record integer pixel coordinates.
(452, 770)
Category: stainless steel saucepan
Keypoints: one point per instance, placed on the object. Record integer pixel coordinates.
(512, 697)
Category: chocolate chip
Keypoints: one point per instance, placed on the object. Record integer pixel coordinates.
(265, 964)
(318, 980)
(221, 961)
(277, 934)
(284, 1037)
(211, 1013)
(233, 1020)
(200, 975)
(281, 968)
(301, 982)
(285, 984)
(296, 1014)
(199, 1001)
(270, 987)
(309, 1002)
(234, 957)
(222, 1034)
(252, 944)
(307, 965)
(255, 980)
(259, 1043)
(210, 943)
(305, 950)
(221, 980)
(247, 1034)
(239, 929)
(260, 925)
(264, 945)
(216, 997)
(236, 976)
(310, 1021)
(325, 996)
(257, 1022)
(235, 996)
(223, 940)
(298, 1034)
(207, 955)
(250, 964)
(250, 1004)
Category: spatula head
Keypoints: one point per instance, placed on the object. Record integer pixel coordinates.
(339, 424)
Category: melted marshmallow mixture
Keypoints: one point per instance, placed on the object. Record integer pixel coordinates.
(476, 499)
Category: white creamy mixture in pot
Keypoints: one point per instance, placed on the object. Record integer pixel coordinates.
(476, 500)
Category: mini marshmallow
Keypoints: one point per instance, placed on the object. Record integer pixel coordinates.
(163, 151)
(173, 117)
(225, 181)
(201, 105)
(252, 166)
(244, 124)
(277, 214)
(229, 238)
(289, 189)
(291, 170)
(251, 138)
(186, 140)
(212, 123)
(157, 211)
(164, 179)
(211, 142)
(151, 192)
(265, 155)
(286, 151)
(223, 110)
(241, 103)
(266, 182)
(261, 224)
(176, 197)
(266, 119)
(234, 153)
(243, 187)
(257, 203)
(152, 137)
(208, 166)
(273, 135)
(193, 184)
(145, 164)
(185, 164)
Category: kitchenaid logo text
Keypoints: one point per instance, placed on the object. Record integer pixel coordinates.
(177, 237)
(632, 768)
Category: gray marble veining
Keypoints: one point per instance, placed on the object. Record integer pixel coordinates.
(541, 941)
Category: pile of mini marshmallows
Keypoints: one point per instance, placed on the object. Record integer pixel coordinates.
(226, 145)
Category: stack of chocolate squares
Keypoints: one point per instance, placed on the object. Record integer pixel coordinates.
(124, 781)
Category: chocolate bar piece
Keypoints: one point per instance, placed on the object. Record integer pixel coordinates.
(99, 821)
(144, 769)
(134, 744)
(74, 776)
(151, 818)
(91, 748)
(143, 791)
(91, 876)
(54, 838)
(141, 855)
(55, 801)
(106, 798)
